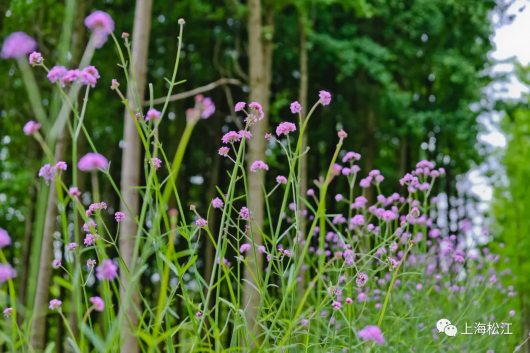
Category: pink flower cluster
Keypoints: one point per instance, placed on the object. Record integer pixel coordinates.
(107, 271)
(17, 45)
(217, 203)
(35, 58)
(152, 114)
(5, 239)
(96, 206)
(257, 165)
(156, 163)
(92, 161)
(232, 136)
(98, 303)
(245, 213)
(372, 333)
(48, 172)
(201, 222)
(87, 76)
(55, 303)
(101, 25)
(31, 127)
(6, 273)
(285, 128)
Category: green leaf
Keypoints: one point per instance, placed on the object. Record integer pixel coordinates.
(62, 282)
(74, 346)
(50, 347)
(94, 338)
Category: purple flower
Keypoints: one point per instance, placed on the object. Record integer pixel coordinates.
(223, 151)
(72, 246)
(114, 84)
(35, 58)
(256, 107)
(69, 77)
(351, 156)
(201, 222)
(89, 76)
(372, 333)
(208, 108)
(56, 73)
(361, 279)
(31, 127)
(119, 216)
(107, 270)
(152, 114)
(98, 303)
(281, 179)
(92, 161)
(295, 107)
(91, 263)
(101, 25)
(5, 239)
(285, 128)
(246, 134)
(90, 239)
(17, 45)
(61, 165)
(342, 134)
(7, 312)
(325, 97)
(6, 273)
(217, 203)
(336, 305)
(230, 137)
(56, 263)
(156, 163)
(245, 213)
(240, 106)
(55, 303)
(257, 165)
(244, 248)
(48, 172)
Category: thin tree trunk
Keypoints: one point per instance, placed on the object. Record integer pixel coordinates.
(26, 248)
(260, 59)
(302, 99)
(132, 160)
(38, 327)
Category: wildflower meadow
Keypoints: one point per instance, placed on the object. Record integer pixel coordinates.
(297, 245)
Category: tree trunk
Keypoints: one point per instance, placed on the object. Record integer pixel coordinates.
(26, 248)
(302, 99)
(38, 327)
(132, 160)
(260, 61)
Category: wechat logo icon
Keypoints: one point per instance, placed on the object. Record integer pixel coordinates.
(444, 325)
